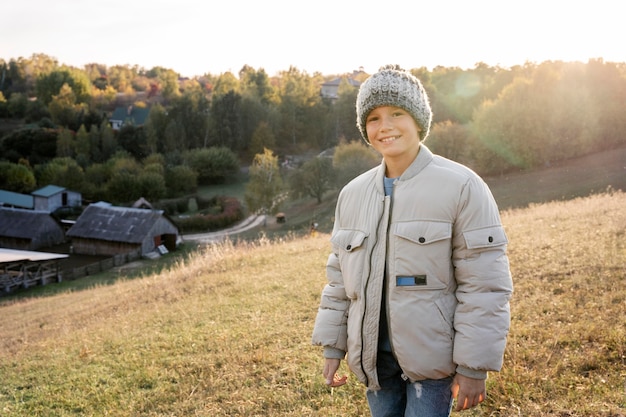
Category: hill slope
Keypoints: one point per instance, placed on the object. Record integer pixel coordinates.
(227, 331)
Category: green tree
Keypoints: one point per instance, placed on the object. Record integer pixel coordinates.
(65, 144)
(16, 177)
(181, 180)
(124, 187)
(226, 83)
(133, 140)
(213, 165)
(299, 95)
(17, 105)
(226, 120)
(152, 185)
(95, 144)
(36, 111)
(351, 159)
(96, 177)
(343, 118)
(313, 179)
(191, 112)
(82, 147)
(264, 190)
(173, 135)
(108, 143)
(64, 172)
(262, 138)
(155, 128)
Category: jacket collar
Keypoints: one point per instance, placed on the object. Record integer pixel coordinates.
(424, 157)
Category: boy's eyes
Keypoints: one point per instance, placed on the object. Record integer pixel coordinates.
(395, 113)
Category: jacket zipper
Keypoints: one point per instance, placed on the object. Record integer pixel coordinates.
(369, 275)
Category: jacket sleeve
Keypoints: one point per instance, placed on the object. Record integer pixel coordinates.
(330, 328)
(484, 284)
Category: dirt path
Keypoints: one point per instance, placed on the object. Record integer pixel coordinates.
(210, 237)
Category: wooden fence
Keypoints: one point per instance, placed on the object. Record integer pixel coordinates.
(30, 273)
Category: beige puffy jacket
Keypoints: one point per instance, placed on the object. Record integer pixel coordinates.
(448, 278)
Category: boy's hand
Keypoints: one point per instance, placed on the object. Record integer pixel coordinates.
(330, 373)
(469, 392)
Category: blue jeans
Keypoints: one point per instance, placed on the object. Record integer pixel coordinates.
(400, 398)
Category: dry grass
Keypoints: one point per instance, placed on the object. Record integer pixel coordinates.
(227, 332)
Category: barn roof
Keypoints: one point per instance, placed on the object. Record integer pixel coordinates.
(23, 224)
(48, 191)
(115, 224)
(16, 199)
(13, 255)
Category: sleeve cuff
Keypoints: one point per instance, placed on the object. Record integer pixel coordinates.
(471, 373)
(333, 353)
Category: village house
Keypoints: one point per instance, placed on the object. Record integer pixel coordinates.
(53, 197)
(131, 115)
(330, 89)
(29, 229)
(48, 199)
(104, 229)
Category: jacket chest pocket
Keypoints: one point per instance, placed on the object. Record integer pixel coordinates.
(350, 247)
(422, 254)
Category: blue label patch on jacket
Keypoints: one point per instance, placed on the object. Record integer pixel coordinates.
(404, 281)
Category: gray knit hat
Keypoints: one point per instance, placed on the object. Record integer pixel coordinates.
(393, 86)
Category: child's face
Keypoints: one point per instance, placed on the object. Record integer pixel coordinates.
(392, 131)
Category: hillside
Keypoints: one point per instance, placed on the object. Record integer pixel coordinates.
(569, 179)
(227, 331)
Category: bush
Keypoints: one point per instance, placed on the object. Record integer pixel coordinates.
(228, 211)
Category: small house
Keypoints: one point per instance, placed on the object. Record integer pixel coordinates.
(104, 229)
(29, 229)
(330, 89)
(52, 197)
(131, 115)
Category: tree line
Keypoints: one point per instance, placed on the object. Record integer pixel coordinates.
(200, 130)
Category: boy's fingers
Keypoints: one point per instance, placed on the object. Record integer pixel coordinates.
(337, 380)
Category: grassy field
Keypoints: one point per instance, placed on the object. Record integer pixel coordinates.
(226, 331)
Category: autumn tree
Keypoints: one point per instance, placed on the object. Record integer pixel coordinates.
(64, 109)
(50, 84)
(264, 190)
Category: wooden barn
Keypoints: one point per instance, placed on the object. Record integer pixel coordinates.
(103, 229)
(29, 229)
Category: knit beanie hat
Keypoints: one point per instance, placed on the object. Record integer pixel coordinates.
(393, 86)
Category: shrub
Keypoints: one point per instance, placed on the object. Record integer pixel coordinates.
(228, 211)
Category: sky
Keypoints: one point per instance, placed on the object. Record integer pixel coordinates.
(327, 36)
